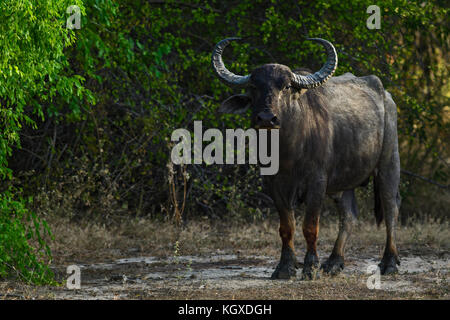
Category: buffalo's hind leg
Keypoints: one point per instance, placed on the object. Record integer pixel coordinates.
(386, 186)
(348, 211)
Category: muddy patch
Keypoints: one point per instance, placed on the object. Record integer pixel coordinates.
(228, 275)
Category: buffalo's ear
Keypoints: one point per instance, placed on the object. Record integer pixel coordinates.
(237, 104)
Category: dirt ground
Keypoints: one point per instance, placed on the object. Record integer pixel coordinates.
(143, 259)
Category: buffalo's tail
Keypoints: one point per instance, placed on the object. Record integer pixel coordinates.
(379, 214)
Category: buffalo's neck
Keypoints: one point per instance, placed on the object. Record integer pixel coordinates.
(304, 134)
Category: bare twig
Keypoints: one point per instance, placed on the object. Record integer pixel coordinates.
(412, 174)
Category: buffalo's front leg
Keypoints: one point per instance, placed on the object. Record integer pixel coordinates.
(311, 232)
(288, 261)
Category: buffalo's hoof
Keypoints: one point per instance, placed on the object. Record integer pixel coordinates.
(311, 274)
(333, 266)
(285, 271)
(286, 267)
(388, 265)
(311, 267)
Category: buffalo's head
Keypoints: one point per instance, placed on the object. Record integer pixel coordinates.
(269, 86)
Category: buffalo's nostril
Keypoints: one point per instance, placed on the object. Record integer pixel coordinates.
(266, 116)
(267, 119)
(274, 120)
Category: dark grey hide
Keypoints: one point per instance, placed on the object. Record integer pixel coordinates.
(335, 133)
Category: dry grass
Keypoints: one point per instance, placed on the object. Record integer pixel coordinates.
(94, 242)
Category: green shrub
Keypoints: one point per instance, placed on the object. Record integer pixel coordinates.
(23, 249)
(32, 77)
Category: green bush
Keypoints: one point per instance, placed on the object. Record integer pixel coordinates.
(32, 73)
(23, 247)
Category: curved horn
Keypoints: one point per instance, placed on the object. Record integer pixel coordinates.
(325, 73)
(219, 68)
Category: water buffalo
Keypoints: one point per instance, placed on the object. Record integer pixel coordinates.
(335, 133)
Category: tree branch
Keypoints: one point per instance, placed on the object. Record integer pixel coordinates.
(425, 179)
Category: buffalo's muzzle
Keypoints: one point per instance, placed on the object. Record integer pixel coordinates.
(267, 120)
